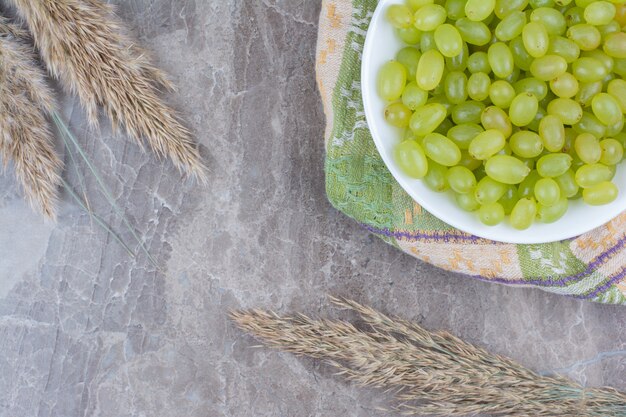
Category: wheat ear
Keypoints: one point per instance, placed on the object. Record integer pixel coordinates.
(430, 373)
(25, 136)
(85, 46)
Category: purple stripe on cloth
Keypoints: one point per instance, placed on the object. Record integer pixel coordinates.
(544, 282)
(445, 236)
(604, 287)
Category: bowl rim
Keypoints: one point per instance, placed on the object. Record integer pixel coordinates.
(448, 216)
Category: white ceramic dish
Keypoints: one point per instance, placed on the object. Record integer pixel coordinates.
(381, 46)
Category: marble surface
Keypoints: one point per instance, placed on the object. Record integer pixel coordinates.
(85, 330)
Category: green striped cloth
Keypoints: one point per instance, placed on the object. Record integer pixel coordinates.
(589, 267)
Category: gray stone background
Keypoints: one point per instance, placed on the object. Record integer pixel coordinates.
(87, 331)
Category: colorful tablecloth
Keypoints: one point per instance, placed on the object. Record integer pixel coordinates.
(590, 267)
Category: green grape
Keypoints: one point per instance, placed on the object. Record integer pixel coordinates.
(583, 3)
(552, 133)
(570, 138)
(461, 179)
(486, 144)
(436, 178)
(566, 109)
(511, 26)
(564, 86)
(468, 162)
(478, 86)
(496, 118)
(552, 213)
(607, 61)
(534, 124)
(589, 70)
(504, 7)
(620, 67)
(615, 129)
(478, 62)
(526, 144)
(615, 45)
(621, 138)
(441, 149)
(592, 174)
(612, 152)
(521, 57)
(567, 184)
(532, 85)
(536, 39)
(400, 16)
(501, 94)
(479, 10)
(430, 70)
(514, 76)
(458, 62)
(617, 89)
(500, 59)
(410, 35)
(536, 4)
(599, 13)
(413, 96)
(523, 214)
(408, 135)
(391, 80)
(530, 163)
(411, 159)
(463, 134)
(443, 100)
(523, 109)
(574, 16)
(427, 118)
(467, 202)
(553, 164)
(606, 108)
(527, 187)
(409, 57)
(548, 67)
(448, 40)
(489, 191)
(491, 214)
(612, 27)
(604, 193)
(587, 91)
(468, 112)
(427, 41)
(398, 115)
(429, 16)
(613, 170)
(506, 169)
(416, 4)
(506, 150)
(547, 192)
(551, 19)
(590, 124)
(455, 9)
(587, 37)
(474, 33)
(565, 48)
(444, 127)
(509, 199)
(455, 87)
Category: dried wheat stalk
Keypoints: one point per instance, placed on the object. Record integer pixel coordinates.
(85, 46)
(431, 373)
(25, 136)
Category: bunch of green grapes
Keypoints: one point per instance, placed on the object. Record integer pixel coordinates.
(516, 106)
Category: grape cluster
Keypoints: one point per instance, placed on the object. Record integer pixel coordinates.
(516, 106)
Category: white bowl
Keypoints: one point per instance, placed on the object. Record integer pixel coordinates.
(381, 46)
